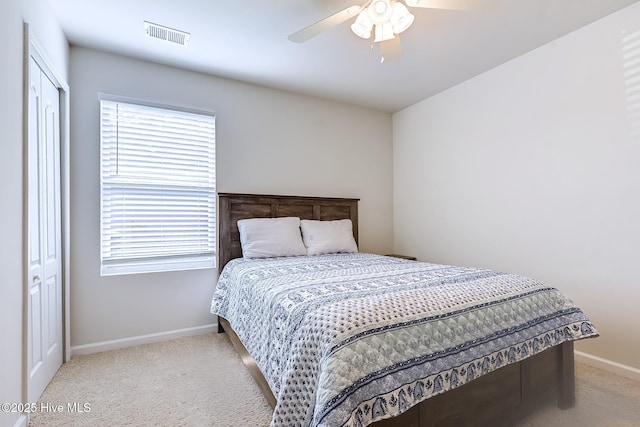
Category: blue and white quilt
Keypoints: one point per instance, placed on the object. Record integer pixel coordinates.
(349, 339)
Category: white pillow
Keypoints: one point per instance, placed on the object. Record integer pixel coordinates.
(328, 237)
(271, 237)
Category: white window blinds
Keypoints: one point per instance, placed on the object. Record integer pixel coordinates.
(157, 188)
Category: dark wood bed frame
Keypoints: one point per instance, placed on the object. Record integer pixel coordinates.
(499, 398)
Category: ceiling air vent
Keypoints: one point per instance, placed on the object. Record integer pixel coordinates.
(165, 33)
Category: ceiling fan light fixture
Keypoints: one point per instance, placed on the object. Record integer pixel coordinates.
(384, 32)
(386, 18)
(380, 11)
(401, 19)
(363, 25)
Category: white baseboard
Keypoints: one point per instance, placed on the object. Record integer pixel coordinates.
(608, 365)
(141, 339)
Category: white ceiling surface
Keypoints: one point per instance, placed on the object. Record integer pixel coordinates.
(247, 40)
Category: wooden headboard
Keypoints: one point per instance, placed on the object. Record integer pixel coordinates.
(232, 207)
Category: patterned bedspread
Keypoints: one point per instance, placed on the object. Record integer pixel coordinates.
(349, 339)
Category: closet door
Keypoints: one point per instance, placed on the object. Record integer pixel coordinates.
(44, 278)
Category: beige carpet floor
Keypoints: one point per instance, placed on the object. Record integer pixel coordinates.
(191, 381)
(200, 381)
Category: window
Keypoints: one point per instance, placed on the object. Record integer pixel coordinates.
(158, 200)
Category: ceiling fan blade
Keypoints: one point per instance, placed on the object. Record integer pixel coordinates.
(390, 49)
(324, 24)
(453, 4)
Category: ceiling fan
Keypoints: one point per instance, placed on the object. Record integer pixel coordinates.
(386, 19)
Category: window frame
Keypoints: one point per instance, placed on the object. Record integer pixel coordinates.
(151, 264)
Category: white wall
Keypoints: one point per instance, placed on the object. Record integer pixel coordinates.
(268, 141)
(11, 211)
(12, 15)
(531, 168)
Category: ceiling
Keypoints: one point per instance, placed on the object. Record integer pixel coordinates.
(247, 40)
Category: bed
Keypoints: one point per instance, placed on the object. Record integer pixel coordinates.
(396, 352)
